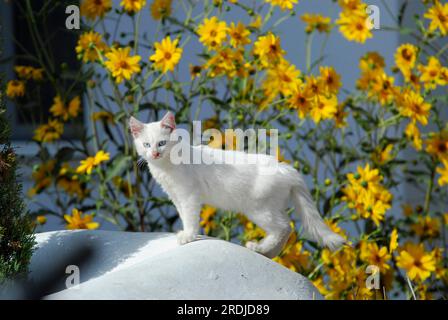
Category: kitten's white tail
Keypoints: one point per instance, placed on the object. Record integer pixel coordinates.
(313, 225)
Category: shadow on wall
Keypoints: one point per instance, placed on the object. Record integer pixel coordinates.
(59, 254)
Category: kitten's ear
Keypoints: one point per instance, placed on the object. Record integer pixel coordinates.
(136, 127)
(168, 121)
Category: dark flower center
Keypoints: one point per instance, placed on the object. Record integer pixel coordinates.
(123, 65)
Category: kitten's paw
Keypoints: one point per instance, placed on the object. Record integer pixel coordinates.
(184, 237)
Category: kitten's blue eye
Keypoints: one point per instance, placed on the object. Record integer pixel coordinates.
(162, 143)
(146, 145)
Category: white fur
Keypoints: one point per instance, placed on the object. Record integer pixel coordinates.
(236, 187)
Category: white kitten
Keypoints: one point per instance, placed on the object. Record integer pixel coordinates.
(229, 186)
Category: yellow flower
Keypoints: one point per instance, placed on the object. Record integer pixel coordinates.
(95, 8)
(340, 266)
(280, 157)
(78, 220)
(225, 61)
(413, 133)
(167, 54)
(412, 105)
(373, 255)
(58, 109)
(89, 43)
(160, 9)
(15, 88)
(332, 223)
(239, 35)
(74, 107)
(316, 22)
(350, 5)
(407, 209)
(431, 73)
(121, 64)
(281, 78)
(294, 256)
(123, 186)
(323, 107)
(331, 80)
(101, 156)
(353, 25)
(68, 181)
(42, 177)
(283, 4)
(207, 218)
(301, 100)
(41, 219)
(405, 58)
(367, 195)
(37, 74)
(441, 272)
(257, 22)
(340, 116)
(438, 14)
(382, 155)
(413, 79)
(443, 171)
(426, 227)
(320, 285)
(372, 208)
(393, 244)
(133, 6)
(87, 165)
(268, 49)
(211, 123)
(443, 78)
(195, 71)
(365, 177)
(72, 186)
(23, 72)
(105, 116)
(383, 89)
(28, 72)
(417, 263)
(251, 231)
(372, 61)
(49, 132)
(437, 145)
(371, 73)
(315, 85)
(212, 32)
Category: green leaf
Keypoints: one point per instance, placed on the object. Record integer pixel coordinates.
(119, 164)
(119, 115)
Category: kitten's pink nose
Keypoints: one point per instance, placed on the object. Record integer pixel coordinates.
(155, 154)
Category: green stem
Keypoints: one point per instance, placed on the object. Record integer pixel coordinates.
(429, 190)
(308, 46)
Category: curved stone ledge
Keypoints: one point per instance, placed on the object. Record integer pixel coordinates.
(153, 266)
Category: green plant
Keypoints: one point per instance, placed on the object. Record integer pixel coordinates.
(16, 225)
